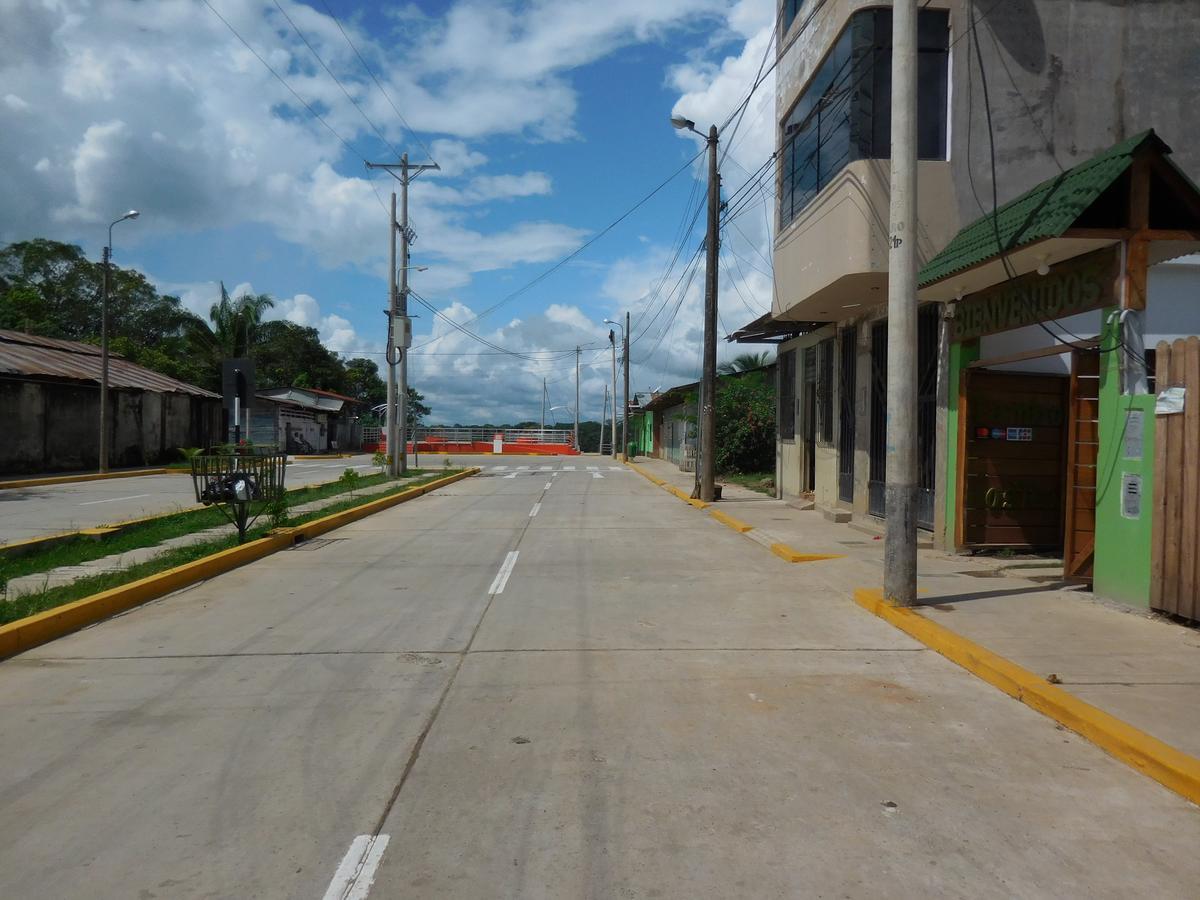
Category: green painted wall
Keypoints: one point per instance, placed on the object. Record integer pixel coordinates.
(1122, 567)
(962, 353)
(641, 433)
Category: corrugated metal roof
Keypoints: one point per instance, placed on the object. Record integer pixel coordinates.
(35, 356)
(1046, 211)
(307, 398)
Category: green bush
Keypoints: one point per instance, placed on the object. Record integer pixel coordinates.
(745, 435)
(350, 480)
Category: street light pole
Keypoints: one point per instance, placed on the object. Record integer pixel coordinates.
(104, 428)
(625, 415)
(612, 339)
(900, 541)
(706, 465)
(577, 399)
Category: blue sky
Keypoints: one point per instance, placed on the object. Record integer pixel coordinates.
(548, 118)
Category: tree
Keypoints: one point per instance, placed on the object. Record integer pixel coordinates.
(286, 354)
(234, 332)
(745, 362)
(745, 438)
(363, 382)
(416, 409)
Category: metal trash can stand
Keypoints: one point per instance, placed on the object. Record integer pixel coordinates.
(241, 483)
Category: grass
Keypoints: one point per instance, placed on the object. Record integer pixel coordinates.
(32, 604)
(155, 531)
(763, 482)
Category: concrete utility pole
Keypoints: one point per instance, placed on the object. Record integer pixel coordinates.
(706, 464)
(612, 339)
(390, 354)
(603, 423)
(625, 417)
(543, 435)
(708, 390)
(577, 398)
(397, 413)
(104, 427)
(900, 542)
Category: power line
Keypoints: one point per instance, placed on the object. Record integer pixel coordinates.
(316, 115)
(378, 84)
(317, 56)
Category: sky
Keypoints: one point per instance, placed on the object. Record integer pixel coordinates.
(241, 130)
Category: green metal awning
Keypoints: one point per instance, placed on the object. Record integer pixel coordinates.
(1046, 211)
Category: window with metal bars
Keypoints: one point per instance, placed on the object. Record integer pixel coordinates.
(825, 392)
(787, 395)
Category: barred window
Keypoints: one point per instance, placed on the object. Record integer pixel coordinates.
(787, 395)
(825, 392)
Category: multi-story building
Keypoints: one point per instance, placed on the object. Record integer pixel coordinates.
(1048, 84)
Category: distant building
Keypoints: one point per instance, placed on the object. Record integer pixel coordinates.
(50, 407)
(306, 420)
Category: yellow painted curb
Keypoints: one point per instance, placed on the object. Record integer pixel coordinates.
(692, 501)
(326, 456)
(25, 634)
(736, 524)
(1170, 767)
(786, 553)
(72, 479)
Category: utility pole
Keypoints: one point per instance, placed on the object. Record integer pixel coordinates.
(708, 387)
(398, 314)
(390, 354)
(603, 423)
(577, 398)
(625, 417)
(900, 541)
(104, 429)
(543, 434)
(612, 339)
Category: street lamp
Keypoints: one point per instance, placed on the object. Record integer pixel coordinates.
(706, 465)
(132, 214)
(612, 339)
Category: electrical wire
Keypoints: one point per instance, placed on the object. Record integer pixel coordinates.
(1001, 250)
(317, 56)
(378, 84)
(316, 115)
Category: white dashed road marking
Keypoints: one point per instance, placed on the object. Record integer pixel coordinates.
(356, 872)
(113, 500)
(536, 508)
(505, 570)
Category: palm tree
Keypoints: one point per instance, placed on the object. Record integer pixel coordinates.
(234, 329)
(745, 362)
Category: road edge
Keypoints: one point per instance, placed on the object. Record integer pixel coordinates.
(783, 551)
(1170, 767)
(34, 631)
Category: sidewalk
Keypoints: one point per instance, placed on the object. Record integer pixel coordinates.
(1143, 669)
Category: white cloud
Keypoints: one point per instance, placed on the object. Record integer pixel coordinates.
(12, 101)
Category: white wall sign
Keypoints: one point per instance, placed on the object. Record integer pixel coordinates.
(1131, 495)
(1170, 401)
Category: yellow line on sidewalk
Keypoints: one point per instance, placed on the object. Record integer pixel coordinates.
(33, 631)
(1170, 767)
(786, 553)
(736, 524)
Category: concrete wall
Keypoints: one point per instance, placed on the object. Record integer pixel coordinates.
(54, 426)
(1066, 79)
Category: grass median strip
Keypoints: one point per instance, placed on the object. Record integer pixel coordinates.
(32, 604)
(155, 530)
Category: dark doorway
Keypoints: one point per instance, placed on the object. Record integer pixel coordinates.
(878, 451)
(847, 369)
(809, 424)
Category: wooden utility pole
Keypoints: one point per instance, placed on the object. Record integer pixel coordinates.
(900, 541)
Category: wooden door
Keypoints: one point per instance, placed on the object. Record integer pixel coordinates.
(1012, 460)
(1083, 446)
(1175, 541)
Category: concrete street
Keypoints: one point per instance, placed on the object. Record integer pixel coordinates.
(545, 684)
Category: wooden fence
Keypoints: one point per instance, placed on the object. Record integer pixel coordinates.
(1175, 545)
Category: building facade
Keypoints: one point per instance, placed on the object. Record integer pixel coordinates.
(1010, 95)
